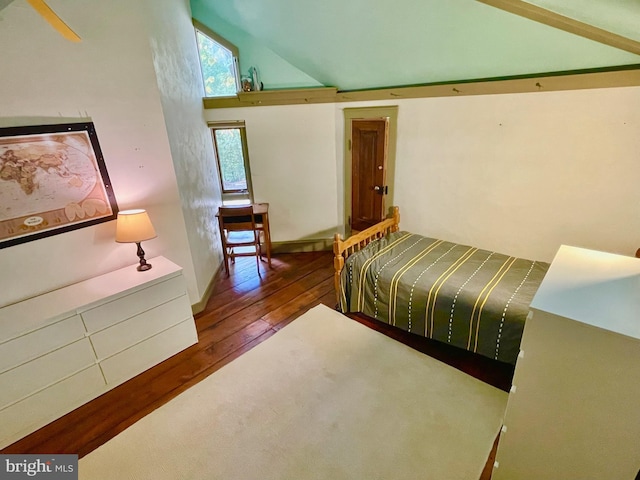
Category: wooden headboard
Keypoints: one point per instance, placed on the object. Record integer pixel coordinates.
(343, 248)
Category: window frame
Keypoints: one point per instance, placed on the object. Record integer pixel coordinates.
(203, 29)
(233, 196)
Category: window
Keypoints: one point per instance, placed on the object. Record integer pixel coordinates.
(218, 62)
(230, 146)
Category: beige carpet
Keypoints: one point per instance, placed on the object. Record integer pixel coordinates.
(324, 398)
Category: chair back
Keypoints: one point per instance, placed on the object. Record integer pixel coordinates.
(237, 218)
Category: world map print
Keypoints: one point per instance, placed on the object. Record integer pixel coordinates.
(47, 181)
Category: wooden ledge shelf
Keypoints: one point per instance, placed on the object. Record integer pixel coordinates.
(622, 76)
(295, 96)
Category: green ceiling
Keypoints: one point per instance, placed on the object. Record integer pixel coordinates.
(618, 16)
(360, 44)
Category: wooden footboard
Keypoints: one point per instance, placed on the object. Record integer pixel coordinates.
(343, 248)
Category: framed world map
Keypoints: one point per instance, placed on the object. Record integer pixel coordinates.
(53, 179)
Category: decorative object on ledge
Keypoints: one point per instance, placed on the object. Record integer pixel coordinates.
(256, 84)
(53, 179)
(134, 226)
(245, 82)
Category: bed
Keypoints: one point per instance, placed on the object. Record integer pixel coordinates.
(464, 296)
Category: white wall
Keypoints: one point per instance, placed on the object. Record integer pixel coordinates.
(523, 173)
(292, 155)
(177, 66)
(109, 79)
(519, 173)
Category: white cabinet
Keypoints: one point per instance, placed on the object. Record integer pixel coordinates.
(573, 413)
(66, 347)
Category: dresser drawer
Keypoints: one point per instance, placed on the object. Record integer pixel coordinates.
(134, 330)
(48, 364)
(110, 313)
(43, 371)
(39, 342)
(142, 356)
(29, 316)
(36, 411)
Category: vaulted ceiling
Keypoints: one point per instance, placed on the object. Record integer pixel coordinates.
(362, 44)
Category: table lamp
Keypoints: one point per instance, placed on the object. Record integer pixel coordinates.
(134, 226)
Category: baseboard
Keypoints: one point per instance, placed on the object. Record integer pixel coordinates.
(297, 246)
(201, 305)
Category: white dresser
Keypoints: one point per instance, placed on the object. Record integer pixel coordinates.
(574, 410)
(61, 349)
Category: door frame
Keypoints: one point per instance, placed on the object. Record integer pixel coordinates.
(369, 113)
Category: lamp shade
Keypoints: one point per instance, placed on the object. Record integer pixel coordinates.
(134, 226)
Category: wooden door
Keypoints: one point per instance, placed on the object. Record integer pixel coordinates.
(368, 172)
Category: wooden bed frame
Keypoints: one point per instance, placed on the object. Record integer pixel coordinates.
(343, 248)
(493, 372)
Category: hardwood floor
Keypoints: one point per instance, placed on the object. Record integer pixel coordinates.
(244, 310)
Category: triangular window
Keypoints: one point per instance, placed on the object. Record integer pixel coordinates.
(218, 62)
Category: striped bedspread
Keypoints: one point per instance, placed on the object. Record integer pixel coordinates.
(471, 298)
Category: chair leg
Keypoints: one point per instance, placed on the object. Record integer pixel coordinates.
(225, 257)
(258, 257)
(261, 254)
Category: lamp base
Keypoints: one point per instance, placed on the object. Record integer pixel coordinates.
(144, 266)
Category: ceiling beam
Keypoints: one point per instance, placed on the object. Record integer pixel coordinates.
(553, 19)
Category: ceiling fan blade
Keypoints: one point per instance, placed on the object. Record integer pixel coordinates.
(56, 22)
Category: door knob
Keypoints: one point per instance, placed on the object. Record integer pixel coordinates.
(381, 189)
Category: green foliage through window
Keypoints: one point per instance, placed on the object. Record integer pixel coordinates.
(218, 67)
(231, 160)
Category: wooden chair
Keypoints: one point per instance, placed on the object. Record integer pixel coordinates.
(263, 236)
(239, 235)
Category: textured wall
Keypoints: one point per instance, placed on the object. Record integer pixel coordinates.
(175, 58)
(107, 78)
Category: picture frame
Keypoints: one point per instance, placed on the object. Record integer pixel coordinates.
(53, 179)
